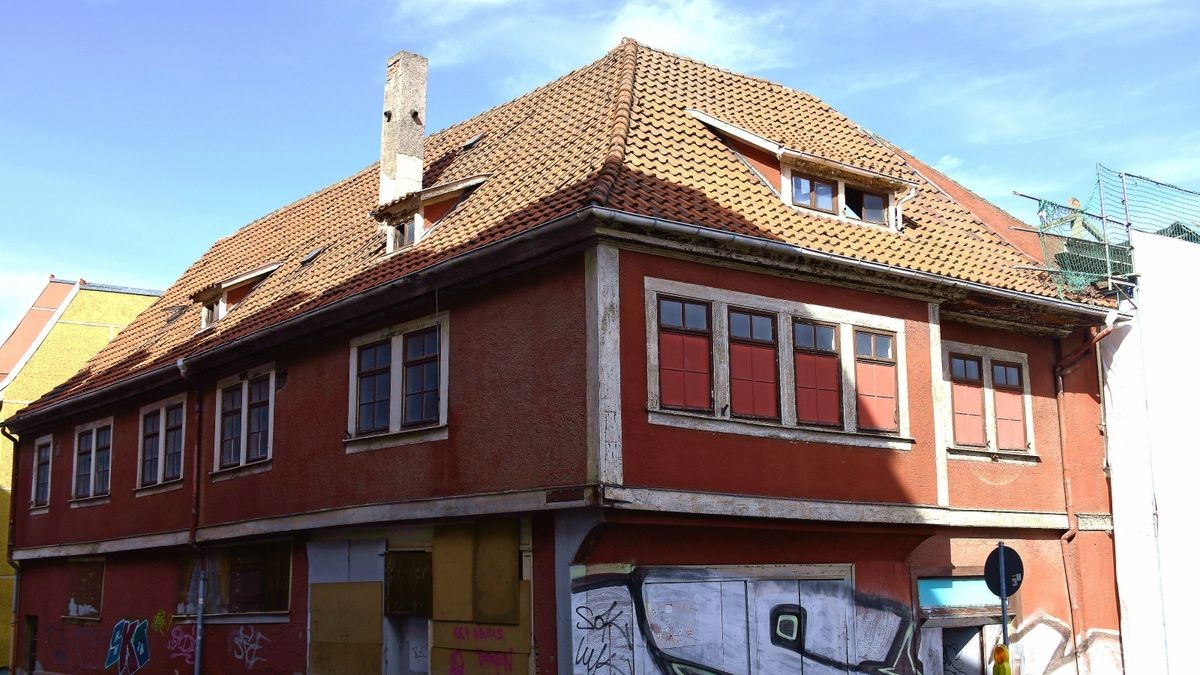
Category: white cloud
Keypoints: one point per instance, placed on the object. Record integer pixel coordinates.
(441, 12)
(947, 163)
(704, 29)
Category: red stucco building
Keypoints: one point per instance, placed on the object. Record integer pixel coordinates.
(656, 369)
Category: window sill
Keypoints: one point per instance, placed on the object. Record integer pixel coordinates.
(390, 439)
(39, 510)
(80, 619)
(746, 427)
(158, 488)
(232, 472)
(85, 502)
(987, 455)
(252, 617)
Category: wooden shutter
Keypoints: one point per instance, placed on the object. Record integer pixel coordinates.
(685, 364)
(876, 395)
(754, 380)
(1010, 420)
(967, 400)
(818, 389)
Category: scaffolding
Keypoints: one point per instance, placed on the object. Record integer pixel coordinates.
(1087, 244)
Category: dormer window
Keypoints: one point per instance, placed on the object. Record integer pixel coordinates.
(222, 297)
(408, 219)
(814, 193)
(866, 206)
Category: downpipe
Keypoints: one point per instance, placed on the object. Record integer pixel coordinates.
(12, 529)
(202, 589)
(1064, 367)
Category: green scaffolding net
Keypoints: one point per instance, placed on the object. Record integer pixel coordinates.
(1087, 244)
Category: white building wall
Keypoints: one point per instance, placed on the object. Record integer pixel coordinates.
(1152, 369)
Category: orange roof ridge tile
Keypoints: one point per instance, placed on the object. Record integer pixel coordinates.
(621, 114)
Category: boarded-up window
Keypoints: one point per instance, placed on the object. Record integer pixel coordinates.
(684, 355)
(753, 370)
(408, 586)
(251, 578)
(1010, 406)
(875, 379)
(966, 388)
(85, 588)
(818, 374)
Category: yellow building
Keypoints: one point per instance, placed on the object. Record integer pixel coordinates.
(68, 323)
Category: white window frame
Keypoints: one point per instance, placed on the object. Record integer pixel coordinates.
(891, 210)
(161, 408)
(784, 311)
(34, 507)
(112, 438)
(395, 434)
(244, 379)
(986, 356)
(214, 310)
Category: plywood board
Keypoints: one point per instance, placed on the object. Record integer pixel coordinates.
(488, 637)
(469, 662)
(453, 573)
(346, 628)
(497, 571)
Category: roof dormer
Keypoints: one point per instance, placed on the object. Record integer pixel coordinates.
(817, 184)
(222, 297)
(410, 218)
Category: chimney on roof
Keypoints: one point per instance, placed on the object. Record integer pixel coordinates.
(402, 146)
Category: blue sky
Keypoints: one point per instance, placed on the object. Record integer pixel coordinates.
(134, 133)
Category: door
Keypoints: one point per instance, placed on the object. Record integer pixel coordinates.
(802, 626)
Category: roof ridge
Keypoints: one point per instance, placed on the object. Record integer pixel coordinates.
(621, 119)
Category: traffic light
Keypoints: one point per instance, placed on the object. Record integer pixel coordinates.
(1000, 661)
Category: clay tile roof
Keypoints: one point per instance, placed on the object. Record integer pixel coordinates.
(613, 133)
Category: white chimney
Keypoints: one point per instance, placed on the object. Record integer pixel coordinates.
(402, 146)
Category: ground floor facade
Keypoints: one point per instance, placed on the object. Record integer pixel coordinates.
(584, 591)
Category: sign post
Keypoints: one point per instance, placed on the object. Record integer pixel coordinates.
(1003, 573)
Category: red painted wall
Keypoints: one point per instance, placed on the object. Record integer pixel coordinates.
(138, 586)
(764, 162)
(516, 420)
(1004, 485)
(671, 457)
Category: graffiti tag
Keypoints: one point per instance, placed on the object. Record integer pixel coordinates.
(129, 646)
(161, 623)
(182, 644)
(246, 645)
(595, 649)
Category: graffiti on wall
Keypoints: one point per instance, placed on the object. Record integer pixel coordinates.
(697, 621)
(162, 622)
(181, 644)
(1044, 647)
(129, 646)
(247, 646)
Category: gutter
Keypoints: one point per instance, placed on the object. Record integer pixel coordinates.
(762, 244)
(385, 295)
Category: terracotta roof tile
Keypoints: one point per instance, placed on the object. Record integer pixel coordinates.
(615, 132)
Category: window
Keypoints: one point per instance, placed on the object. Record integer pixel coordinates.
(1010, 406)
(818, 374)
(374, 386)
(244, 421)
(43, 450)
(93, 456)
(415, 398)
(221, 298)
(244, 579)
(717, 361)
(989, 398)
(85, 588)
(875, 377)
(966, 394)
(865, 206)
(814, 193)
(753, 369)
(685, 354)
(161, 447)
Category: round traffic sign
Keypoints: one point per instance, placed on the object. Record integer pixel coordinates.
(1014, 571)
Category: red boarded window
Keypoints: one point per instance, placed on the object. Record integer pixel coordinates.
(875, 378)
(753, 369)
(966, 394)
(818, 374)
(684, 355)
(1010, 406)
